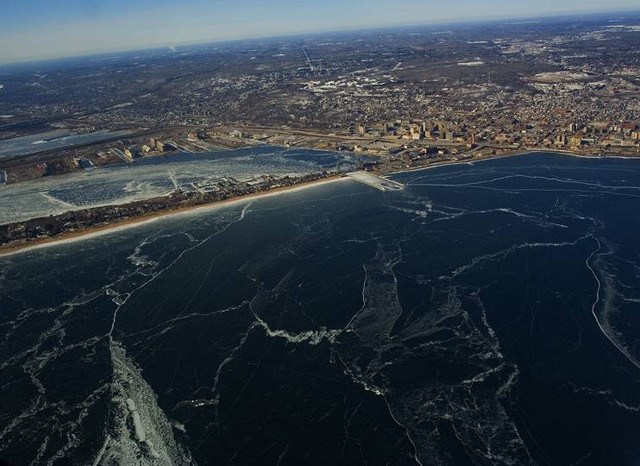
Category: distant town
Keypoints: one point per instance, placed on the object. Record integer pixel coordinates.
(401, 99)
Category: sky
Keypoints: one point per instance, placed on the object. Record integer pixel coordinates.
(36, 29)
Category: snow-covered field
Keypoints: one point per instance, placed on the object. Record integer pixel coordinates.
(57, 139)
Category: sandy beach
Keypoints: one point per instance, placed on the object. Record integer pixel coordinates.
(146, 219)
(155, 216)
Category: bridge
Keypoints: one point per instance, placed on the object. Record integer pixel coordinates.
(383, 184)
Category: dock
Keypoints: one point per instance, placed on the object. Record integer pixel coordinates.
(378, 182)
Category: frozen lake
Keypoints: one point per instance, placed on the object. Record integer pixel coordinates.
(485, 314)
(157, 176)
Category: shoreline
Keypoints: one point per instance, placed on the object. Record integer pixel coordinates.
(145, 219)
(514, 153)
(473, 161)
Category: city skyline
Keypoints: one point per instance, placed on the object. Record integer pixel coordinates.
(35, 31)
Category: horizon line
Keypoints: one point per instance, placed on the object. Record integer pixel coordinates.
(213, 41)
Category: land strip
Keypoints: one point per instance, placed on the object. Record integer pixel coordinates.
(18, 236)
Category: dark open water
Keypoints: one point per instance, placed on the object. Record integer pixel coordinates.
(488, 314)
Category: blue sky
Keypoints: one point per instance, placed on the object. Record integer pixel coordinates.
(34, 29)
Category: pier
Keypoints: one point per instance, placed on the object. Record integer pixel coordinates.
(383, 184)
